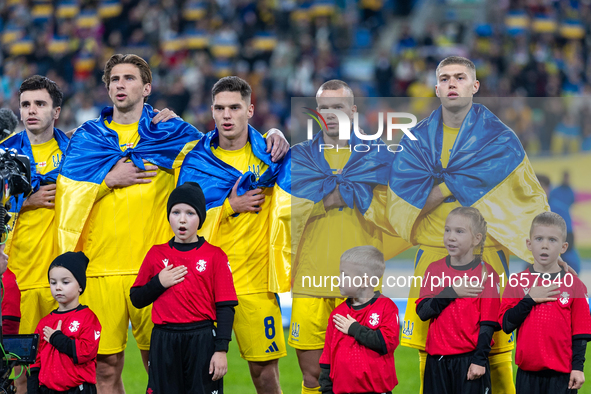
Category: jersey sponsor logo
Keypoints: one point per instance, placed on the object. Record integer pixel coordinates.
(407, 327)
(273, 348)
(201, 265)
(526, 290)
(97, 335)
(295, 331)
(165, 262)
(74, 326)
(564, 297)
(374, 319)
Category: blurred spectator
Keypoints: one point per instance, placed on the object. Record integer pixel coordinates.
(287, 48)
(567, 135)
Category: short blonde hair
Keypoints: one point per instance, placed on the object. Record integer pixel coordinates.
(550, 219)
(457, 60)
(367, 259)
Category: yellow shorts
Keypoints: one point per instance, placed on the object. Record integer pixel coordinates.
(258, 328)
(108, 298)
(414, 331)
(309, 319)
(35, 305)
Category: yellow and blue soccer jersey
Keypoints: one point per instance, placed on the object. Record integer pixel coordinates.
(327, 235)
(125, 222)
(245, 236)
(32, 245)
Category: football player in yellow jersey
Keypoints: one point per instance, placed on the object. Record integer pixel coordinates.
(331, 227)
(31, 244)
(117, 217)
(242, 223)
(456, 85)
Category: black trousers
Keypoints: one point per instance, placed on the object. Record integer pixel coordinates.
(87, 388)
(448, 375)
(179, 360)
(542, 382)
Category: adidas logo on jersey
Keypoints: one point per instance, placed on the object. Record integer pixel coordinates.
(273, 348)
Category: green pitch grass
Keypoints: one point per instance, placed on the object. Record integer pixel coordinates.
(238, 378)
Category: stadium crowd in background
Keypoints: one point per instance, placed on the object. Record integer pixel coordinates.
(287, 48)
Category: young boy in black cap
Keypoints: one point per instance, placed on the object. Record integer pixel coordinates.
(68, 336)
(190, 283)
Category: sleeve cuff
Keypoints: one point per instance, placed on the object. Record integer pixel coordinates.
(318, 209)
(221, 345)
(447, 292)
(354, 329)
(228, 211)
(444, 190)
(103, 190)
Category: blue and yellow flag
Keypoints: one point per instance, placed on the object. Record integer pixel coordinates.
(217, 179)
(94, 150)
(488, 169)
(359, 181)
(20, 142)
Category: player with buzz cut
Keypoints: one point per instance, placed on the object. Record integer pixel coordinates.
(329, 224)
(248, 210)
(440, 171)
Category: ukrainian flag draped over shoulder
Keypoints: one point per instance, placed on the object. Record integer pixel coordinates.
(94, 150)
(21, 143)
(217, 179)
(488, 169)
(313, 179)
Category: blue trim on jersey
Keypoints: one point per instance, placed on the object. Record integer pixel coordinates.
(418, 257)
(504, 261)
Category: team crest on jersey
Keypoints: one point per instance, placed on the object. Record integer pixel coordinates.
(97, 335)
(201, 265)
(374, 319)
(74, 326)
(526, 290)
(407, 327)
(256, 170)
(56, 160)
(295, 330)
(564, 297)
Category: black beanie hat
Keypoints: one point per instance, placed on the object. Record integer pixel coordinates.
(76, 263)
(189, 193)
